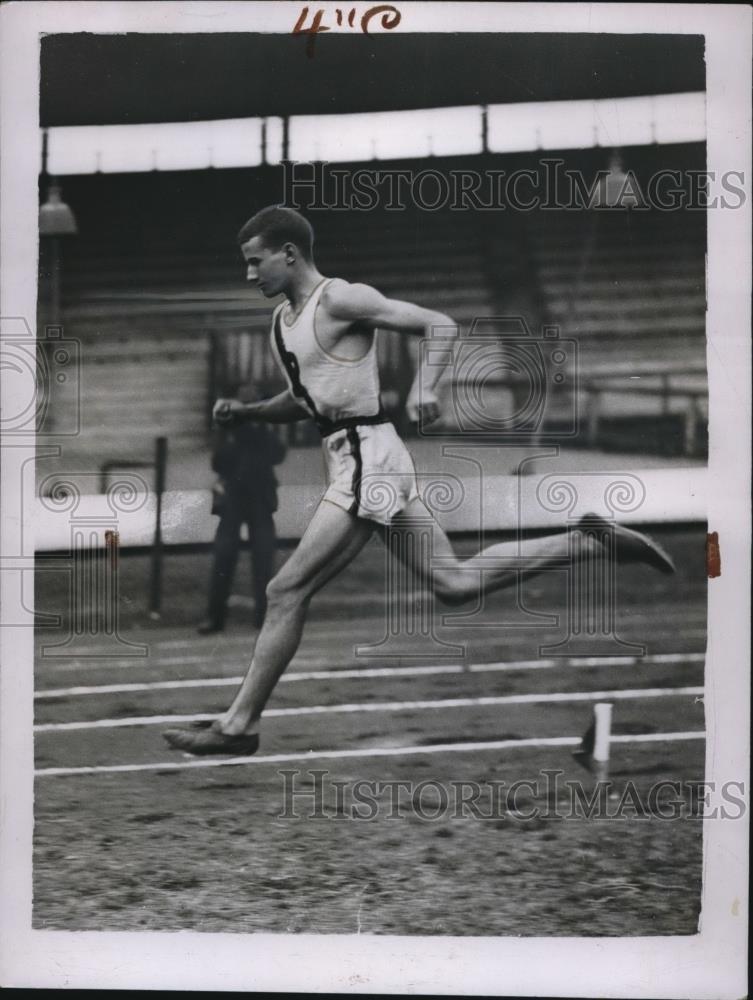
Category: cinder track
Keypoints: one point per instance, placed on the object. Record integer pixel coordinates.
(132, 835)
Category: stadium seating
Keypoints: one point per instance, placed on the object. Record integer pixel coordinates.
(153, 287)
(614, 278)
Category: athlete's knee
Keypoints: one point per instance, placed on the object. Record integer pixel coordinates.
(284, 591)
(449, 588)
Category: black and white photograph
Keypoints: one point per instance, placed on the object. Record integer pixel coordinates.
(375, 553)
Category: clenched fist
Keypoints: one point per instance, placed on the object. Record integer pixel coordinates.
(227, 411)
(422, 405)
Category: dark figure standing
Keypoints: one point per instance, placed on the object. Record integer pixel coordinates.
(244, 458)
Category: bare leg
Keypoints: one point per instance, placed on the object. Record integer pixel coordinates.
(331, 541)
(457, 580)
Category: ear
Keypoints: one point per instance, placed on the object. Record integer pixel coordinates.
(291, 252)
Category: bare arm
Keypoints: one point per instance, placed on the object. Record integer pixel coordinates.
(352, 303)
(280, 409)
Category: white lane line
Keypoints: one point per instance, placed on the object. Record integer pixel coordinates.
(621, 694)
(367, 672)
(48, 667)
(89, 661)
(97, 656)
(284, 758)
(591, 661)
(314, 635)
(191, 643)
(103, 660)
(298, 675)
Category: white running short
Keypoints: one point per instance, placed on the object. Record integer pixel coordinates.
(370, 472)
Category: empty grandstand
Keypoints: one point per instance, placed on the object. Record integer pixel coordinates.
(153, 287)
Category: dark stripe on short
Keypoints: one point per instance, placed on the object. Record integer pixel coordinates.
(355, 443)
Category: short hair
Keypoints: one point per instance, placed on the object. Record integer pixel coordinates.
(278, 225)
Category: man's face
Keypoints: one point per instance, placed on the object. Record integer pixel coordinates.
(266, 268)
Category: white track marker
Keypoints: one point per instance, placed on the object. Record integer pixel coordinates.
(388, 706)
(593, 752)
(368, 672)
(603, 731)
(284, 758)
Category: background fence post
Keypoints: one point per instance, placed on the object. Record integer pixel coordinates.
(160, 469)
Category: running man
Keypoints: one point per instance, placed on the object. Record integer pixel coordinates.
(323, 338)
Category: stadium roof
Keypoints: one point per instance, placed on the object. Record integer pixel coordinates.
(115, 79)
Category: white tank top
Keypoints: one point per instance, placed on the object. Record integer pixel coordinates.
(332, 389)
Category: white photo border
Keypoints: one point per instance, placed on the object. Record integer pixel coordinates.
(710, 964)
